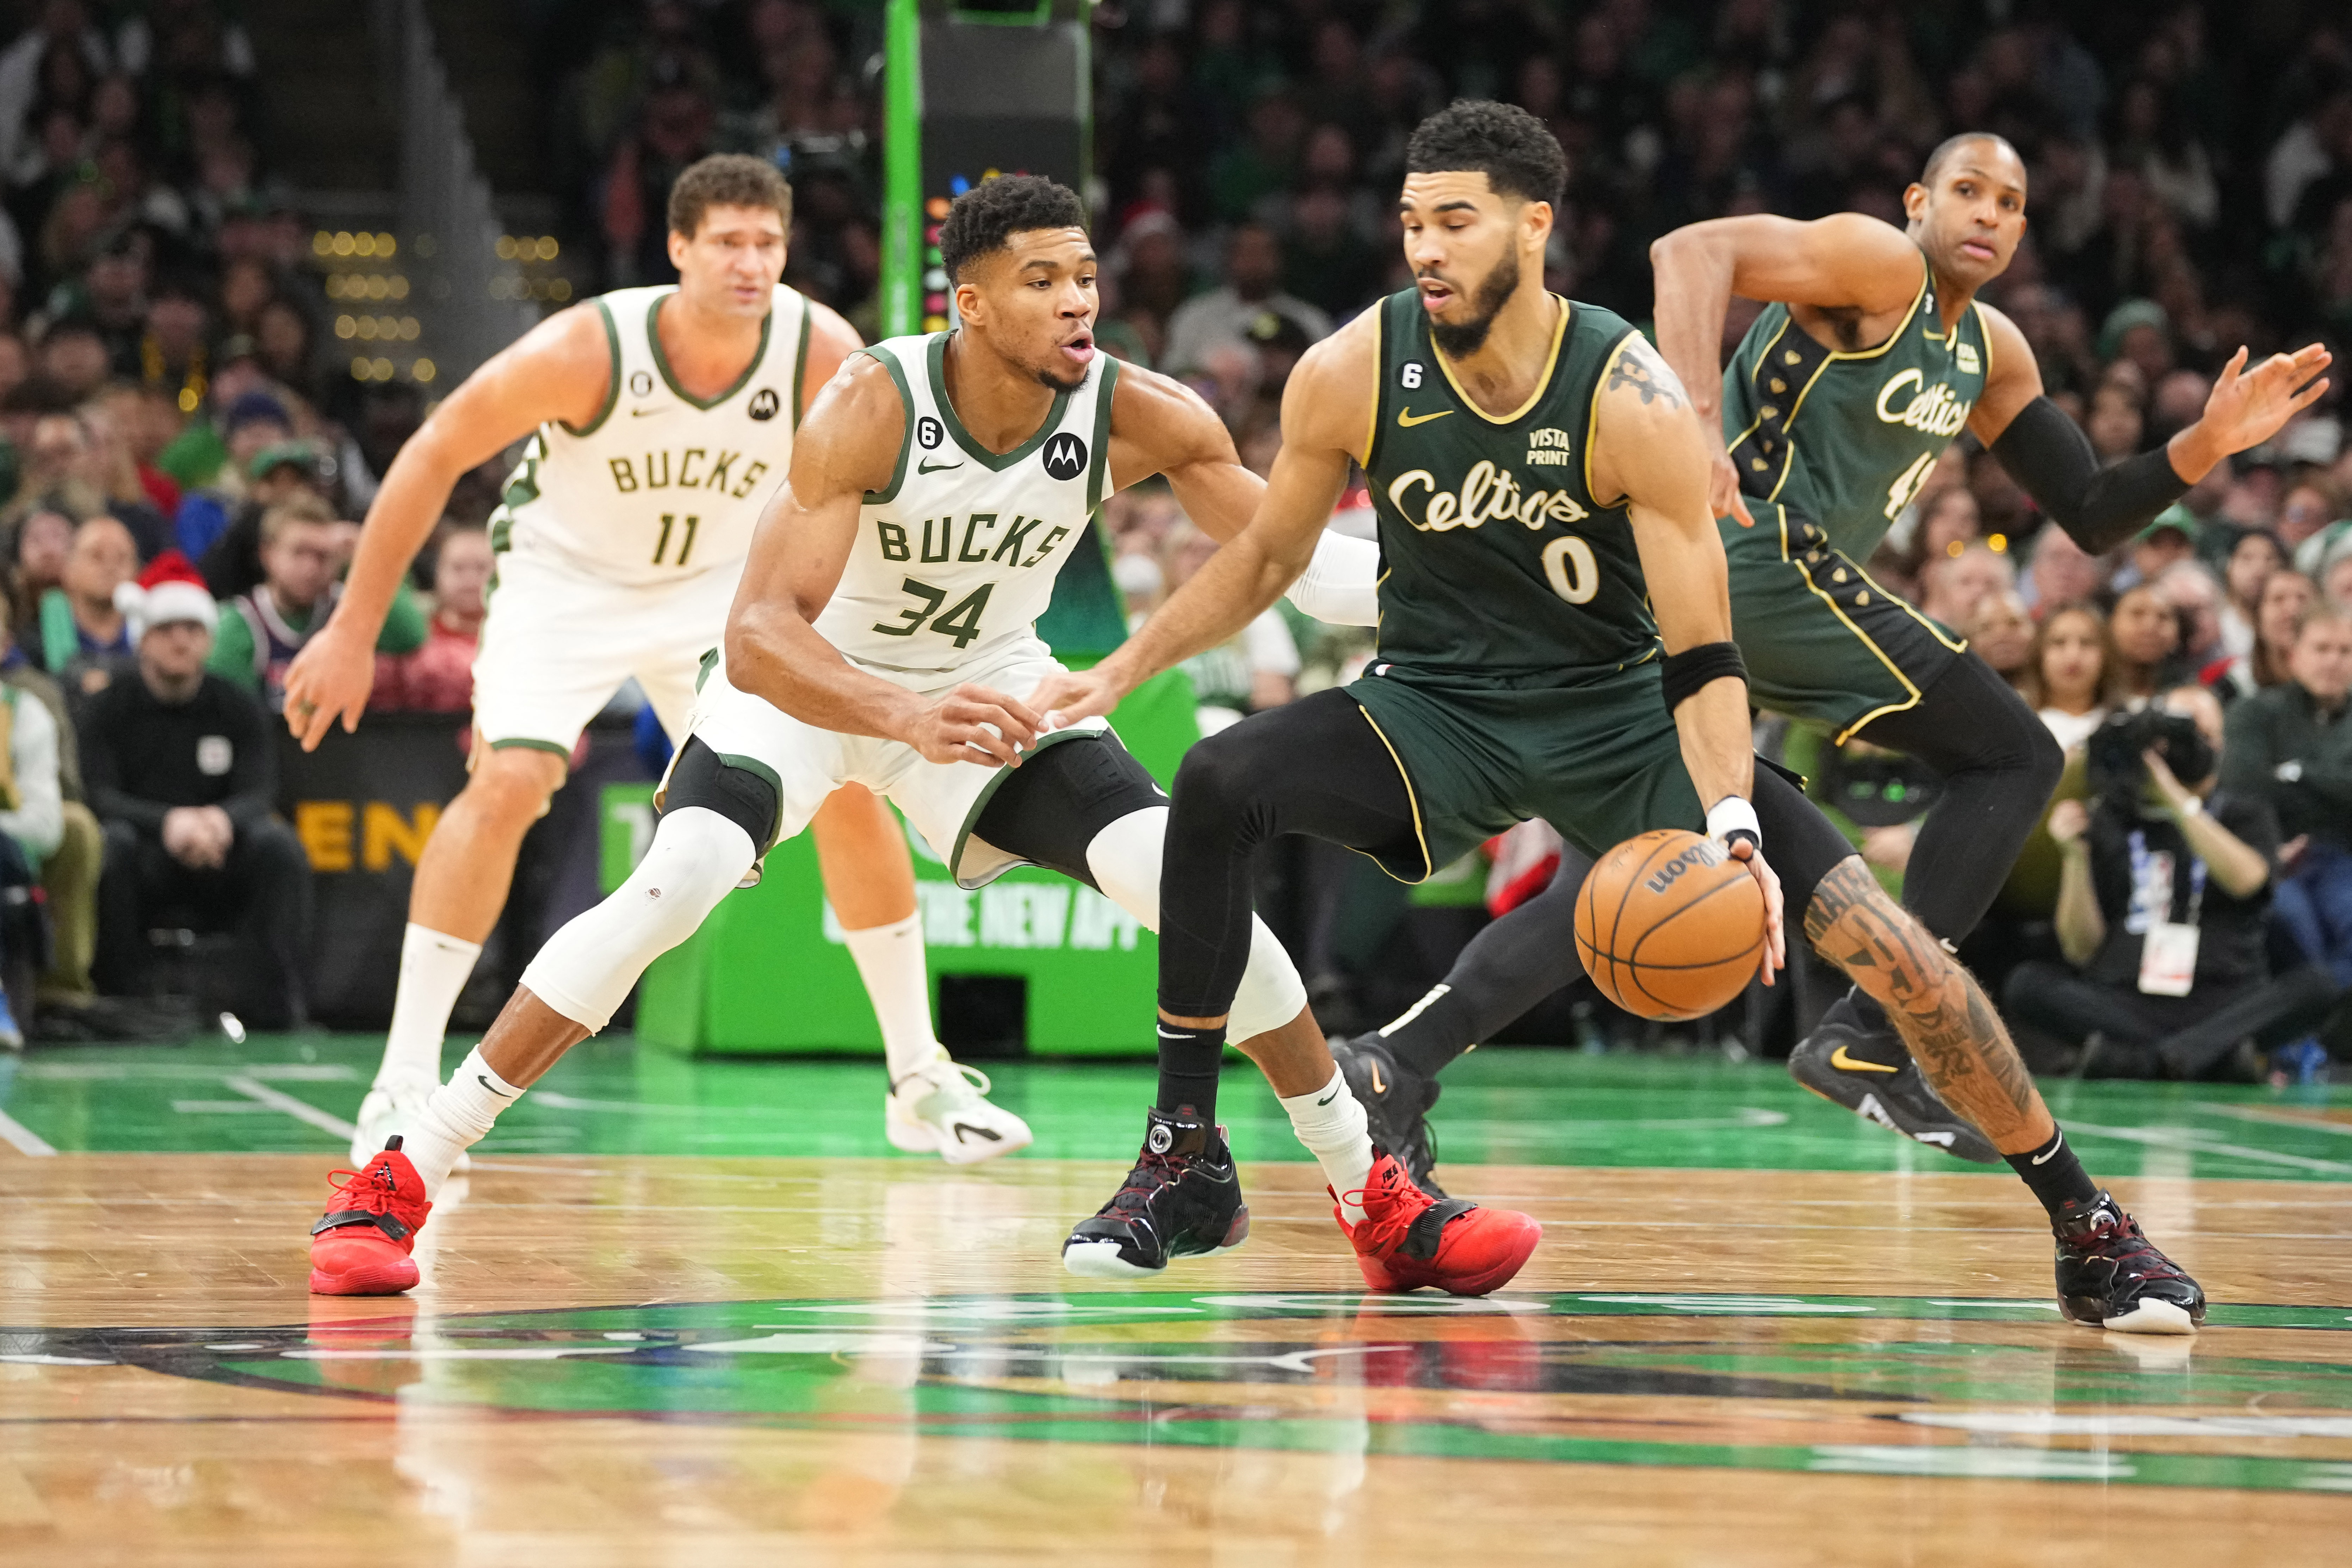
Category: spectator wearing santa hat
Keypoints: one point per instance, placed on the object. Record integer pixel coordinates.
(180, 768)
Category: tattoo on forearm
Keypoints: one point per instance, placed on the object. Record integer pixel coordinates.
(1641, 368)
(1935, 1004)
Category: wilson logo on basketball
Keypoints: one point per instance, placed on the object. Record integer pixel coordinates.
(1700, 854)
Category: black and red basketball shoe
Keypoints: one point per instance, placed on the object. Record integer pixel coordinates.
(360, 1246)
(1182, 1199)
(1408, 1240)
(2110, 1275)
(1396, 1100)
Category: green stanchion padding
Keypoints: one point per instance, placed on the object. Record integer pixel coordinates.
(768, 972)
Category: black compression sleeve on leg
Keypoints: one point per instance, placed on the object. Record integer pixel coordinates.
(1999, 763)
(1510, 966)
(1315, 766)
(700, 778)
(2099, 508)
(1052, 806)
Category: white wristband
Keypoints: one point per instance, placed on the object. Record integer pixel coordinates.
(1734, 814)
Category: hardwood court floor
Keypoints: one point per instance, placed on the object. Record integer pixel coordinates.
(626, 1358)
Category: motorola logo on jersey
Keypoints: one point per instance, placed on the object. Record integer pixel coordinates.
(1065, 456)
(764, 403)
(930, 433)
(641, 383)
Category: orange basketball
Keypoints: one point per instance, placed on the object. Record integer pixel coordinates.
(1669, 926)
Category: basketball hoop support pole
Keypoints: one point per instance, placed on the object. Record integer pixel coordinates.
(902, 168)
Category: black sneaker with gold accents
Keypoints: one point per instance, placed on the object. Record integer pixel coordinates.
(1854, 1058)
(1396, 1102)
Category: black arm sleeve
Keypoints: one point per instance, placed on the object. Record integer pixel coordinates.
(2099, 508)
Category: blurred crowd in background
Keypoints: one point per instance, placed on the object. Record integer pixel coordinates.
(167, 384)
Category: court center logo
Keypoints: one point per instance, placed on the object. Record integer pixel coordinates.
(1889, 1385)
(1065, 456)
(764, 403)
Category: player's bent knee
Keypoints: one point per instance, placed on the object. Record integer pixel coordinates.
(1271, 993)
(1125, 860)
(702, 779)
(517, 783)
(586, 969)
(1223, 777)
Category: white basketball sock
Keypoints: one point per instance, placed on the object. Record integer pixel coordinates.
(434, 968)
(458, 1116)
(890, 961)
(1331, 1124)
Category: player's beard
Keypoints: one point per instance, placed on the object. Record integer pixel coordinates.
(1053, 383)
(1462, 338)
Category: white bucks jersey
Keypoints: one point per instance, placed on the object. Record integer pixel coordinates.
(955, 561)
(661, 484)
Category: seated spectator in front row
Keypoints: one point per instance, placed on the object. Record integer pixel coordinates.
(280, 472)
(32, 827)
(438, 678)
(301, 561)
(84, 637)
(70, 867)
(2291, 747)
(2163, 910)
(182, 770)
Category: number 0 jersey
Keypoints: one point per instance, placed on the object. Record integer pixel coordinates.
(955, 559)
(1846, 441)
(661, 484)
(1498, 567)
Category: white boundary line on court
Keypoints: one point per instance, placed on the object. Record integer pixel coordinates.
(23, 1139)
(299, 1110)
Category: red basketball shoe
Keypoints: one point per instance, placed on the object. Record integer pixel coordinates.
(360, 1245)
(1410, 1239)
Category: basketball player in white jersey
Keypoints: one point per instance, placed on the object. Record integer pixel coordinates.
(660, 421)
(886, 617)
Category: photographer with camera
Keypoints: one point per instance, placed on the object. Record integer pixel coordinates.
(2163, 908)
(2289, 745)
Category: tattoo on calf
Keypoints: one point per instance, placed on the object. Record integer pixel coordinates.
(1641, 368)
(1935, 1003)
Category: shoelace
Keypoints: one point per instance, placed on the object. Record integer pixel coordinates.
(375, 1197)
(1389, 1211)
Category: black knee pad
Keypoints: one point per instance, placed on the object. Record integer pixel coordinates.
(702, 777)
(1800, 844)
(1054, 804)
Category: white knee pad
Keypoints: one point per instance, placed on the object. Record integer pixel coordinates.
(1125, 858)
(585, 970)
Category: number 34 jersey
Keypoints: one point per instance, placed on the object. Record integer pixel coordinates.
(955, 559)
(661, 485)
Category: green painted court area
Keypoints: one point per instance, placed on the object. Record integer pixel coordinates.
(283, 1094)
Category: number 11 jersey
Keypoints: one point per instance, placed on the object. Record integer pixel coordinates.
(955, 558)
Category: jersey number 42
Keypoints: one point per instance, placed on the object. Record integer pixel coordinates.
(961, 623)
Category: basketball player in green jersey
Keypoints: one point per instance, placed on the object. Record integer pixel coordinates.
(1554, 642)
(1873, 356)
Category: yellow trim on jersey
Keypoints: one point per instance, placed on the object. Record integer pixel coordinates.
(1543, 381)
(1984, 330)
(1380, 389)
(1428, 869)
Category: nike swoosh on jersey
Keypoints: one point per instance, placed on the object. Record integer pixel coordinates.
(1844, 1063)
(1407, 419)
(646, 413)
(935, 468)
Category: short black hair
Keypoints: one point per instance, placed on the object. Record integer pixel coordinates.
(989, 213)
(1503, 142)
(1951, 145)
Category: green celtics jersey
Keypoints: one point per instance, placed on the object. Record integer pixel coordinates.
(1846, 441)
(1495, 561)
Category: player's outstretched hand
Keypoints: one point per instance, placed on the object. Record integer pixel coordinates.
(1076, 694)
(1776, 942)
(2248, 406)
(329, 679)
(973, 724)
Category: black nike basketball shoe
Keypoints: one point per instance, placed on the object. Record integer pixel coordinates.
(1396, 1102)
(2110, 1275)
(1867, 1070)
(1182, 1199)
